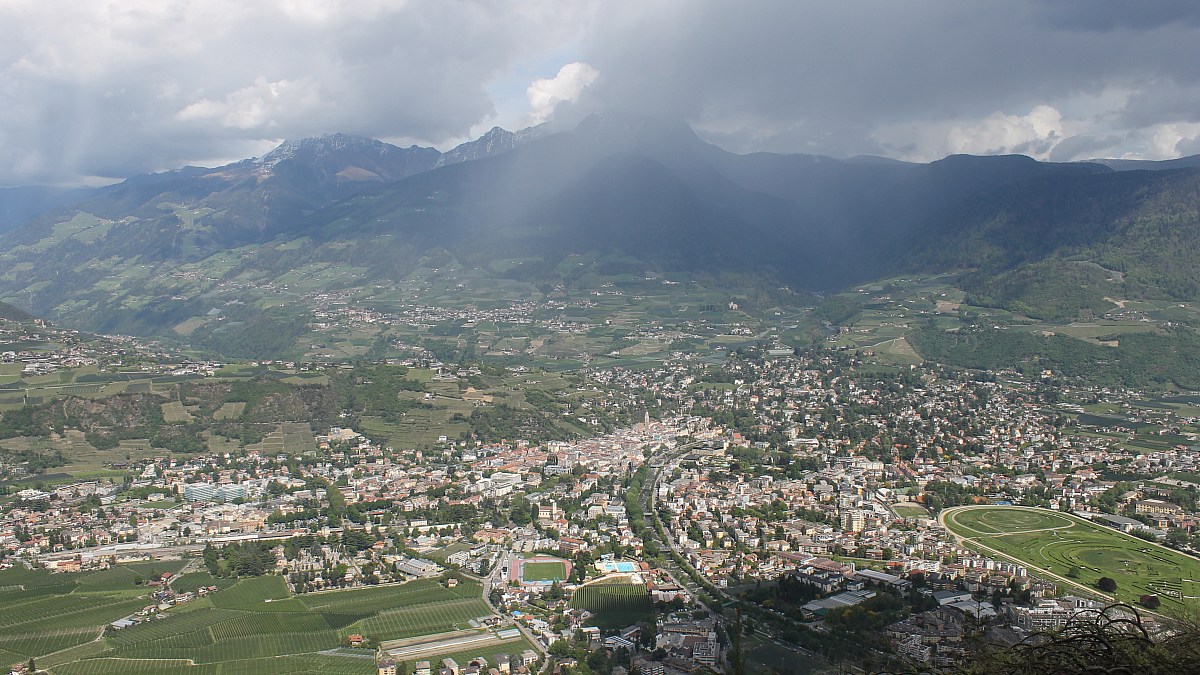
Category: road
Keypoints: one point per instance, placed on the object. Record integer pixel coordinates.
(650, 507)
(498, 579)
(660, 464)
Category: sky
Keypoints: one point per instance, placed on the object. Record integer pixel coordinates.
(97, 90)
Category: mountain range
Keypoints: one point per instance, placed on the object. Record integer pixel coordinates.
(639, 193)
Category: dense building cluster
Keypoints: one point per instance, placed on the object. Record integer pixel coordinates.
(806, 486)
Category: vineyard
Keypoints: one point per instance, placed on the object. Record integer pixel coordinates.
(614, 605)
(253, 625)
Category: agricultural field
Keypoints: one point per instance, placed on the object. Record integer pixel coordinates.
(293, 438)
(47, 613)
(445, 408)
(86, 382)
(180, 415)
(230, 411)
(1076, 550)
(175, 411)
(614, 605)
(605, 312)
(251, 625)
(890, 321)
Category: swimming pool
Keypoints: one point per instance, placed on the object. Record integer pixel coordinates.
(623, 567)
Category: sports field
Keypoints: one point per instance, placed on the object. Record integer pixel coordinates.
(910, 511)
(1076, 550)
(545, 571)
(541, 571)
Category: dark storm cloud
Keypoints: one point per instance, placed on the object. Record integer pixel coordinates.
(835, 77)
(1110, 15)
(111, 87)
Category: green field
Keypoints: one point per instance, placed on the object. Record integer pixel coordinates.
(910, 511)
(614, 605)
(45, 613)
(543, 571)
(252, 625)
(1082, 552)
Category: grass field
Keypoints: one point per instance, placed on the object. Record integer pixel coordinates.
(1083, 552)
(910, 511)
(614, 605)
(544, 571)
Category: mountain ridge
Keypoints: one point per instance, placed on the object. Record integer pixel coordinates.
(645, 191)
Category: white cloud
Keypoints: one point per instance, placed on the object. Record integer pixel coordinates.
(116, 87)
(263, 105)
(545, 94)
(1035, 134)
(1172, 140)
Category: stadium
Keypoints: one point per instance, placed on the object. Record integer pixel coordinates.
(540, 571)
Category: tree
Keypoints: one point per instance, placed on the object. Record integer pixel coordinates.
(1106, 584)
(1150, 601)
(1113, 642)
(210, 559)
(520, 512)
